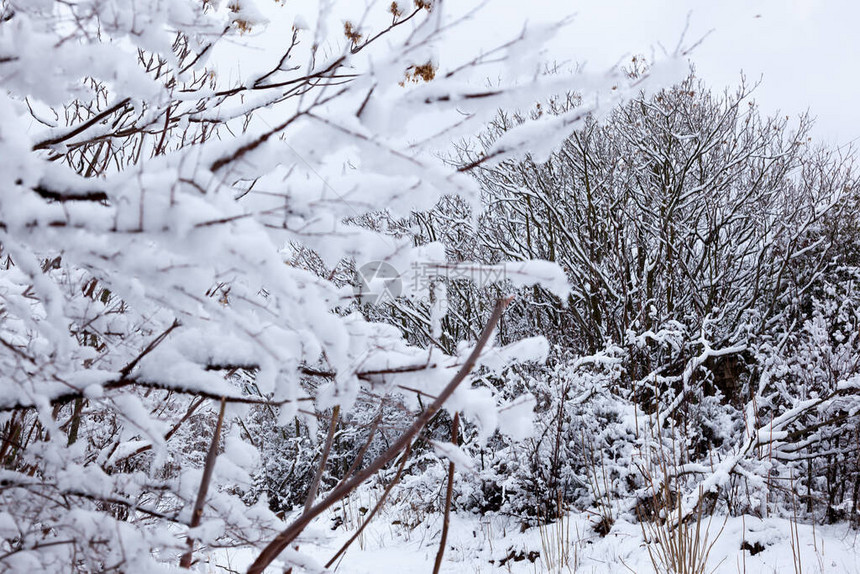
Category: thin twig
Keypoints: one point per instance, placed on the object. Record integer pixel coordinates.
(329, 439)
(449, 494)
(197, 514)
(376, 508)
(126, 370)
(282, 540)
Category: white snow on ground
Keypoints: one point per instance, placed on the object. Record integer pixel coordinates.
(486, 544)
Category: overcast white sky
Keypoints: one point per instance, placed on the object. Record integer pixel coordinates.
(805, 51)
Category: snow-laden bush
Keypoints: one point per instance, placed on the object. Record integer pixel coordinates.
(711, 321)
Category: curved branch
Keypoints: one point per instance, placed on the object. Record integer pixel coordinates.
(282, 540)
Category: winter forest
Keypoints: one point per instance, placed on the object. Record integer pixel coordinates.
(298, 287)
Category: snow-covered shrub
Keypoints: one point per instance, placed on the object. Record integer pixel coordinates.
(698, 237)
(813, 371)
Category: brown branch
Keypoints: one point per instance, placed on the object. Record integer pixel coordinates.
(315, 372)
(44, 144)
(456, 97)
(17, 351)
(62, 398)
(376, 508)
(147, 447)
(329, 440)
(159, 149)
(126, 370)
(321, 74)
(54, 195)
(360, 456)
(449, 494)
(394, 24)
(202, 53)
(130, 504)
(282, 540)
(472, 165)
(252, 145)
(280, 67)
(197, 513)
